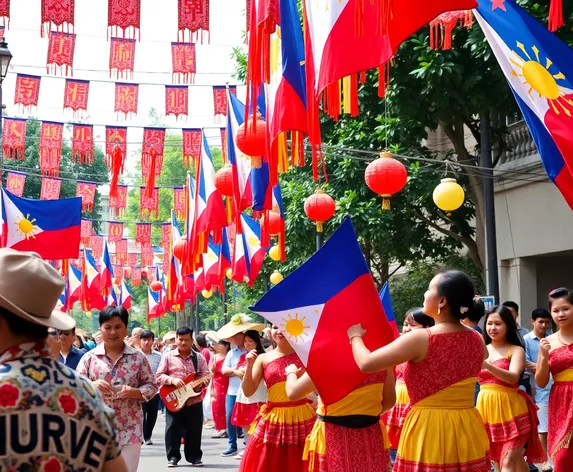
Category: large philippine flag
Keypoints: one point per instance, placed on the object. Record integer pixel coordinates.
(539, 69)
(317, 303)
(49, 227)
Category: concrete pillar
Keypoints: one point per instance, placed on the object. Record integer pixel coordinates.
(518, 282)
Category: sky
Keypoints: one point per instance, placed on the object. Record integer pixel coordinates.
(152, 65)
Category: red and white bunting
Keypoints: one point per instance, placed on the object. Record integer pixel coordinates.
(57, 14)
(15, 182)
(27, 92)
(61, 53)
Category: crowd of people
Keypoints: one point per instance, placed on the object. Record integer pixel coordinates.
(459, 390)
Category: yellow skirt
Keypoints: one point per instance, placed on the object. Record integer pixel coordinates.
(444, 433)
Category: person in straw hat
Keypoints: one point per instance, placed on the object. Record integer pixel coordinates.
(43, 424)
(233, 332)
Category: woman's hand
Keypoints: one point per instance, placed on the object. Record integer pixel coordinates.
(129, 392)
(103, 386)
(356, 331)
(293, 369)
(544, 347)
(251, 357)
(485, 365)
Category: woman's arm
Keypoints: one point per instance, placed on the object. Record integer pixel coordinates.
(412, 347)
(297, 387)
(389, 392)
(542, 371)
(516, 367)
(253, 373)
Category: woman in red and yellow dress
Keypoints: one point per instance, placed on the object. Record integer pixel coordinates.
(443, 432)
(556, 358)
(219, 386)
(509, 414)
(394, 420)
(279, 432)
(348, 435)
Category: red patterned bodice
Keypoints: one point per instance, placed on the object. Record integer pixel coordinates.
(561, 359)
(399, 371)
(377, 377)
(274, 371)
(451, 358)
(486, 377)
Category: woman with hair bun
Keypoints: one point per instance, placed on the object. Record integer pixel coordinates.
(442, 431)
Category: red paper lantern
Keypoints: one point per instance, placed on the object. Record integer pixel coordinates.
(274, 223)
(224, 180)
(253, 141)
(319, 207)
(386, 176)
(156, 286)
(179, 248)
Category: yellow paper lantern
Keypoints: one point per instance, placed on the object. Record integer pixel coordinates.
(276, 277)
(449, 195)
(275, 253)
(206, 293)
(229, 273)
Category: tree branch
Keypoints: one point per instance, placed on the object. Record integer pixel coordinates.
(395, 270)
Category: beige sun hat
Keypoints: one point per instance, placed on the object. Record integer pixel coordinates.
(239, 324)
(30, 288)
(211, 336)
(169, 335)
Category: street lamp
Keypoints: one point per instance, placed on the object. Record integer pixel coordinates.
(5, 58)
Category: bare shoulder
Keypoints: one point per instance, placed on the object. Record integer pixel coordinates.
(554, 341)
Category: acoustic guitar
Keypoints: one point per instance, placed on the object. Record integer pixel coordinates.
(175, 398)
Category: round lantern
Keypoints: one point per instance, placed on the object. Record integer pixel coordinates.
(253, 141)
(156, 286)
(229, 273)
(386, 176)
(206, 293)
(275, 253)
(179, 248)
(274, 223)
(449, 195)
(276, 277)
(319, 207)
(224, 180)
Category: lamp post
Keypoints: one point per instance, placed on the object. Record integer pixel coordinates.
(5, 58)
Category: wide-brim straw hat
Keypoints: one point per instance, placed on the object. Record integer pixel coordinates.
(30, 289)
(239, 324)
(212, 336)
(169, 335)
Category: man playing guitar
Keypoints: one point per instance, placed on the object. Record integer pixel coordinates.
(176, 366)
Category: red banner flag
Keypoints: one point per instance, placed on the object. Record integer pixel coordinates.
(51, 148)
(147, 256)
(165, 265)
(179, 201)
(193, 17)
(126, 98)
(191, 145)
(15, 183)
(143, 234)
(123, 15)
(152, 157)
(58, 14)
(114, 231)
(148, 205)
(121, 252)
(50, 189)
(96, 244)
(133, 259)
(176, 100)
(136, 276)
(14, 138)
(220, 98)
(184, 63)
(76, 94)
(5, 12)
(118, 202)
(118, 272)
(27, 92)
(122, 58)
(165, 237)
(86, 232)
(115, 152)
(61, 53)
(82, 144)
(224, 143)
(87, 191)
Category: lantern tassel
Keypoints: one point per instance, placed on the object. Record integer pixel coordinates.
(319, 227)
(386, 202)
(555, 15)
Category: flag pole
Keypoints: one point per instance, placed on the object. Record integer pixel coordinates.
(318, 240)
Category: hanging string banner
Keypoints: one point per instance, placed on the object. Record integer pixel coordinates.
(87, 191)
(50, 189)
(148, 205)
(179, 201)
(143, 234)
(51, 148)
(96, 245)
(61, 53)
(147, 256)
(165, 237)
(76, 93)
(191, 145)
(136, 276)
(184, 62)
(115, 152)
(15, 182)
(27, 92)
(176, 100)
(14, 138)
(133, 259)
(118, 272)
(123, 18)
(86, 232)
(121, 251)
(118, 202)
(82, 144)
(193, 18)
(152, 157)
(126, 98)
(5, 12)
(220, 98)
(114, 231)
(122, 58)
(57, 14)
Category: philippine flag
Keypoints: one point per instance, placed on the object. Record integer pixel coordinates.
(74, 285)
(155, 308)
(49, 227)
(106, 270)
(241, 164)
(224, 258)
(125, 295)
(316, 304)
(539, 69)
(91, 286)
(254, 253)
(388, 309)
(239, 267)
(211, 263)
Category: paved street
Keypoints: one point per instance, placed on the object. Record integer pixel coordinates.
(153, 457)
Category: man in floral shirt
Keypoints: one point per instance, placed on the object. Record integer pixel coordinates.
(51, 418)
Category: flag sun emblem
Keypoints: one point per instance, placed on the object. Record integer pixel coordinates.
(26, 227)
(295, 327)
